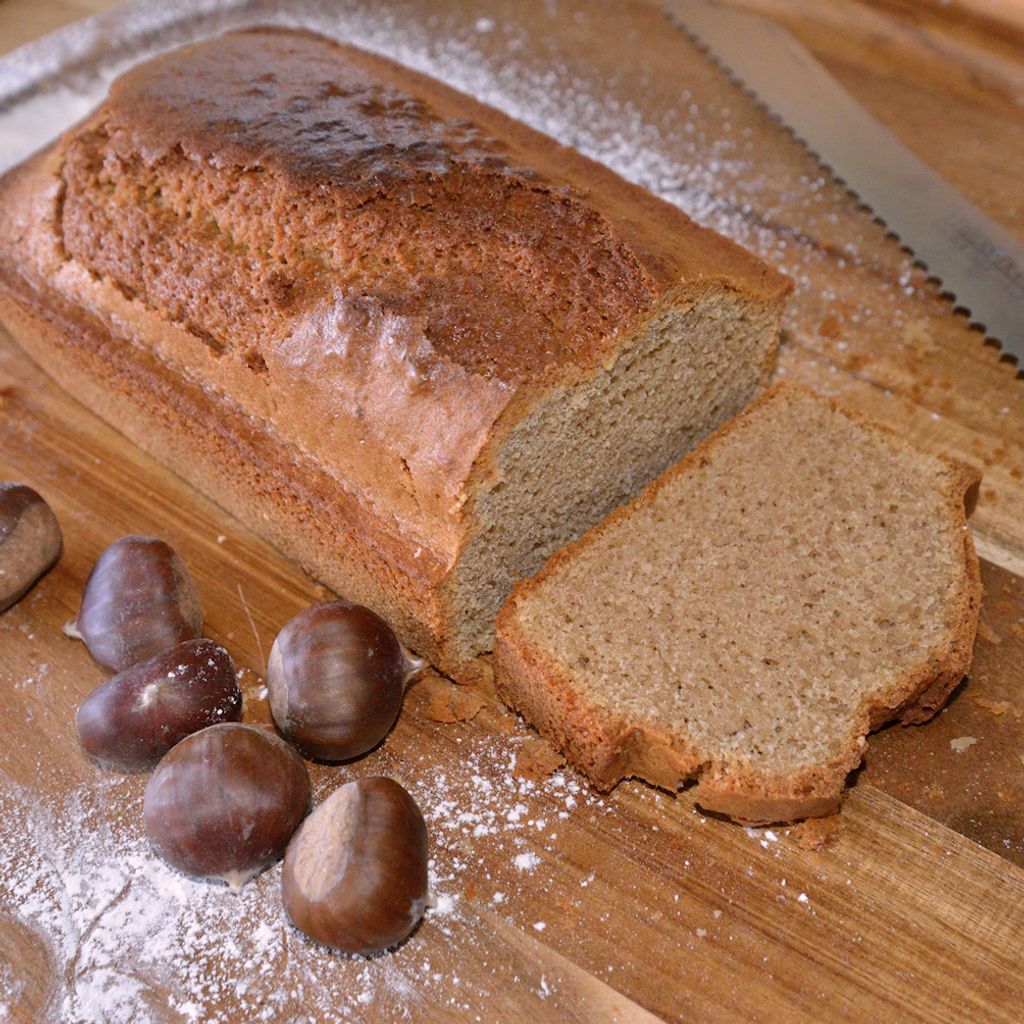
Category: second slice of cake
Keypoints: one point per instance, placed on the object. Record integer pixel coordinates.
(799, 579)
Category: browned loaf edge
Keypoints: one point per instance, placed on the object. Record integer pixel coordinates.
(608, 747)
(293, 498)
(232, 459)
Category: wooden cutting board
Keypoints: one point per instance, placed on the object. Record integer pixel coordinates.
(555, 903)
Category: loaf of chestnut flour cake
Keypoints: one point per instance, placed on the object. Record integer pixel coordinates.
(799, 579)
(414, 343)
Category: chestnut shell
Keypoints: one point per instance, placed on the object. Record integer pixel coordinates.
(355, 874)
(30, 541)
(133, 719)
(225, 801)
(336, 676)
(139, 600)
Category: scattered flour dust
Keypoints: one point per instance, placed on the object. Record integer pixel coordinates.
(527, 861)
(962, 743)
(128, 940)
(690, 147)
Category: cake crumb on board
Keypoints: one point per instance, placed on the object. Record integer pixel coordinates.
(448, 702)
(536, 759)
(817, 834)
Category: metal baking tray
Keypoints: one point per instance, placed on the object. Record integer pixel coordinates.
(50, 83)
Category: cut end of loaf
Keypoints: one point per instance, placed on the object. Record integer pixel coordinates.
(801, 578)
(586, 448)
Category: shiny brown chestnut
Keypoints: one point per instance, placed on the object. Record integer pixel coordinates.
(139, 600)
(30, 541)
(336, 676)
(130, 721)
(355, 875)
(225, 801)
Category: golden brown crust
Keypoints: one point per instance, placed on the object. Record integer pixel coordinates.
(232, 459)
(750, 808)
(608, 748)
(357, 137)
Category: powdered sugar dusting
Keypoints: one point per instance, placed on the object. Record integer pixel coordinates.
(129, 935)
(132, 941)
(527, 861)
(692, 139)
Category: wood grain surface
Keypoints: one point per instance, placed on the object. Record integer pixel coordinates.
(909, 905)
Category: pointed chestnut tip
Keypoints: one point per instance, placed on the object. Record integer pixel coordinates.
(414, 665)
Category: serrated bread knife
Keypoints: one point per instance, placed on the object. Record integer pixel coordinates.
(976, 260)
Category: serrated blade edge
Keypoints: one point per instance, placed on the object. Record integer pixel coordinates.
(977, 261)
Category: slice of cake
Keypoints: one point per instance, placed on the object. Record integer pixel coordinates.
(799, 579)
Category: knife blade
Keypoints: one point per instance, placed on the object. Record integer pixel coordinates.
(977, 261)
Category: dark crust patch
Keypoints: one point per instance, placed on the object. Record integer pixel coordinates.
(241, 181)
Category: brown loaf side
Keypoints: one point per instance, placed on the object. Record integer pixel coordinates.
(415, 343)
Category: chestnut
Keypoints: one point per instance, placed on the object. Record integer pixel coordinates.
(355, 875)
(133, 719)
(335, 677)
(30, 541)
(225, 801)
(139, 600)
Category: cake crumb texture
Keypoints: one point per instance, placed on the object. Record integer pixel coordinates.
(798, 580)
